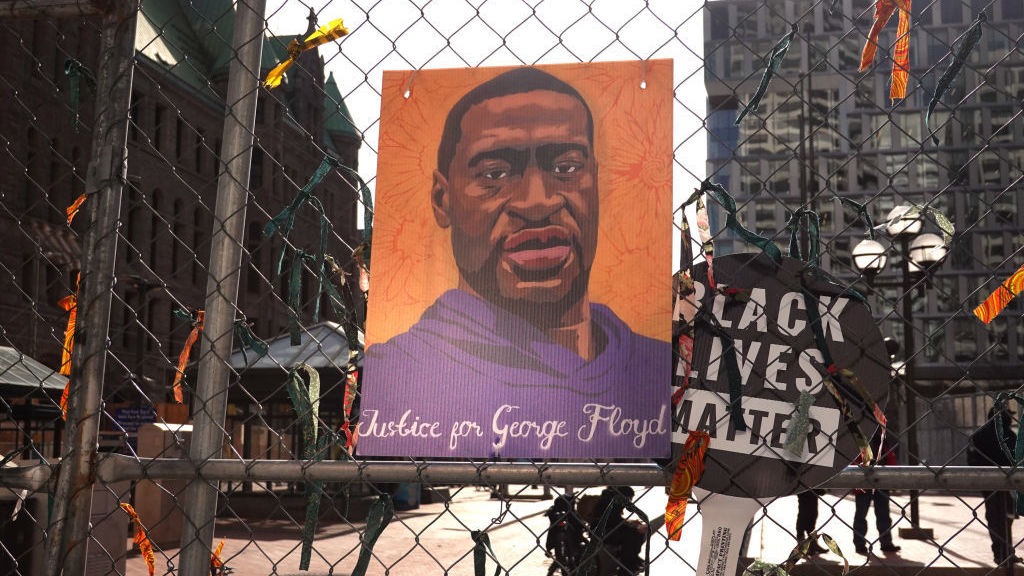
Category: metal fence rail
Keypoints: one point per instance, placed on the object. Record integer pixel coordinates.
(153, 119)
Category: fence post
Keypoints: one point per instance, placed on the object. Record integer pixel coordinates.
(68, 533)
(210, 402)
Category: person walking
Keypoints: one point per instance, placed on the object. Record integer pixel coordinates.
(806, 518)
(885, 455)
(992, 445)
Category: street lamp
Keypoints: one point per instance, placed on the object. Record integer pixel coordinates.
(920, 253)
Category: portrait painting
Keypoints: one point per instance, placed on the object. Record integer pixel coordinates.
(520, 293)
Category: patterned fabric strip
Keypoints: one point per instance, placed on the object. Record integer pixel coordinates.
(884, 10)
(186, 351)
(688, 472)
(1001, 297)
(72, 210)
(141, 539)
(901, 54)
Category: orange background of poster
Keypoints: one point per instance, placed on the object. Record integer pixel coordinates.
(412, 260)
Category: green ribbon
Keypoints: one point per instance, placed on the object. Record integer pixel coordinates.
(380, 515)
(862, 214)
(321, 255)
(306, 402)
(796, 436)
(285, 220)
(367, 200)
(811, 217)
(247, 339)
(347, 316)
(76, 72)
(963, 51)
(799, 552)
(846, 394)
(945, 226)
(732, 367)
(774, 62)
(481, 550)
(295, 295)
(728, 203)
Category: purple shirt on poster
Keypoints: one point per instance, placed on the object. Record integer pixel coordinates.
(472, 380)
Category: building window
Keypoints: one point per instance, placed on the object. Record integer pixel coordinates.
(719, 16)
(159, 114)
(155, 232)
(200, 147)
(133, 117)
(197, 246)
(952, 11)
(254, 245)
(1013, 9)
(179, 136)
(256, 169)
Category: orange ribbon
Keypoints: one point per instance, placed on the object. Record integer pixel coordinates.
(1001, 297)
(69, 304)
(140, 538)
(197, 327)
(351, 387)
(216, 564)
(332, 31)
(688, 472)
(72, 210)
(901, 53)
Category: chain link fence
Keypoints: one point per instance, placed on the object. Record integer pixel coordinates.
(144, 158)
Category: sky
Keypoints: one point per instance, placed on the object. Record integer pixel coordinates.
(417, 34)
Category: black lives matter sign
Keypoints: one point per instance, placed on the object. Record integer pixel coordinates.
(778, 358)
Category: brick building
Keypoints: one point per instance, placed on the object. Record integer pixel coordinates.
(177, 106)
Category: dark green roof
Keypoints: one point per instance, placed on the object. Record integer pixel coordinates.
(187, 37)
(337, 117)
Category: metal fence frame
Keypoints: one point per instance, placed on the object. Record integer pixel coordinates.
(83, 465)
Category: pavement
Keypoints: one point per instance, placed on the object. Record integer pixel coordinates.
(435, 538)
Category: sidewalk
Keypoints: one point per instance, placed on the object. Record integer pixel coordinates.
(434, 539)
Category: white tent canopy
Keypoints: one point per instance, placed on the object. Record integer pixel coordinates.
(17, 369)
(323, 346)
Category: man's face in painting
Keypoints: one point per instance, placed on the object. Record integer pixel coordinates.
(520, 197)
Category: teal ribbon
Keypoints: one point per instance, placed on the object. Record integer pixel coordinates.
(295, 295)
(321, 255)
(813, 225)
(963, 51)
(381, 513)
(348, 320)
(285, 220)
(247, 339)
(367, 200)
(732, 367)
(775, 59)
(183, 314)
(799, 425)
(306, 402)
(728, 203)
(481, 550)
(862, 214)
(76, 72)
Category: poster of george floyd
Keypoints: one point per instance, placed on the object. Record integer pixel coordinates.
(519, 305)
